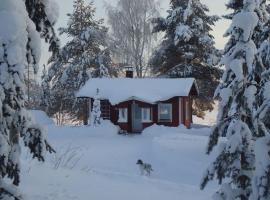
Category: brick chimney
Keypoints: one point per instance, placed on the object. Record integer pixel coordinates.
(129, 72)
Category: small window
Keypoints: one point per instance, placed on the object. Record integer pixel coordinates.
(165, 112)
(123, 115)
(146, 115)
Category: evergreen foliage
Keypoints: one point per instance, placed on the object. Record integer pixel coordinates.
(243, 93)
(28, 21)
(81, 58)
(261, 179)
(188, 44)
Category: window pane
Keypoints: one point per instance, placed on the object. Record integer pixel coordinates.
(146, 114)
(122, 115)
(165, 111)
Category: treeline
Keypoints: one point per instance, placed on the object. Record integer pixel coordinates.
(177, 46)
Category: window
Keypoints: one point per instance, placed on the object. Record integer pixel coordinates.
(123, 115)
(146, 115)
(165, 112)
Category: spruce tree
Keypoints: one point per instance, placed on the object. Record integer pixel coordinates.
(261, 179)
(188, 44)
(79, 59)
(236, 6)
(27, 21)
(237, 92)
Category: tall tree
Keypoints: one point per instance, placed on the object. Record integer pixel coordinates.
(187, 49)
(131, 29)
(261, 179)
(80, 58)
(238, 91)
(27, 21)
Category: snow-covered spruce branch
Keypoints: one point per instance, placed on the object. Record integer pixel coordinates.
(35, 141)
(7, 192)
(20, 47)
(215, 133)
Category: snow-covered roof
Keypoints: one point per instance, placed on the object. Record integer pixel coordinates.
(149, 90)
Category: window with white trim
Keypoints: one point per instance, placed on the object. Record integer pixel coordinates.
(123, 115)
(146, 115)
(165, 112)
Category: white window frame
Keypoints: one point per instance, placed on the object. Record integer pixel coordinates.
(123, 119)
(149, 114)
(162, 120)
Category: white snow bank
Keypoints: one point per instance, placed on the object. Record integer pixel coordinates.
(41, 117)
(164, 131)
(107, 128)
(148, 90)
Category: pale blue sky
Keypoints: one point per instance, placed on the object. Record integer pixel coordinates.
(216, 7)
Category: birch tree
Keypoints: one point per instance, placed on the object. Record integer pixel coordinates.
(131, 31)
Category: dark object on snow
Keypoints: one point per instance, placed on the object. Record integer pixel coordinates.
(145, 168)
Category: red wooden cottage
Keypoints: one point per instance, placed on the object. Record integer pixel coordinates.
(134, 104)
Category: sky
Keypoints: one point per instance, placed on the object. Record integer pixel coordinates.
(217, 7)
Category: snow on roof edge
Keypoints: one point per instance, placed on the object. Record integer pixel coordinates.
(150, 90)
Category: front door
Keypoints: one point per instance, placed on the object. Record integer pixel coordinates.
(137, 125)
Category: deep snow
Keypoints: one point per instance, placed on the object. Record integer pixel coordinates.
(98, 164)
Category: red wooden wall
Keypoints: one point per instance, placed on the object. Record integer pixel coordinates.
(176, 102)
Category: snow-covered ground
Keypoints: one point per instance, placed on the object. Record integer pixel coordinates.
(98, 164)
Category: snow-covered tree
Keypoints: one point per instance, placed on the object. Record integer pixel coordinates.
(188, 44)
(79, 59)
(27, 21)
(261, 180)
(234, 165)
(103, 71)
(96, 112)
(35, 92)
(45, 94)
(104, 63)
(236, 6)
(132, 36)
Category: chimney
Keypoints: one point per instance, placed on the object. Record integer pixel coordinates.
(129, 72)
